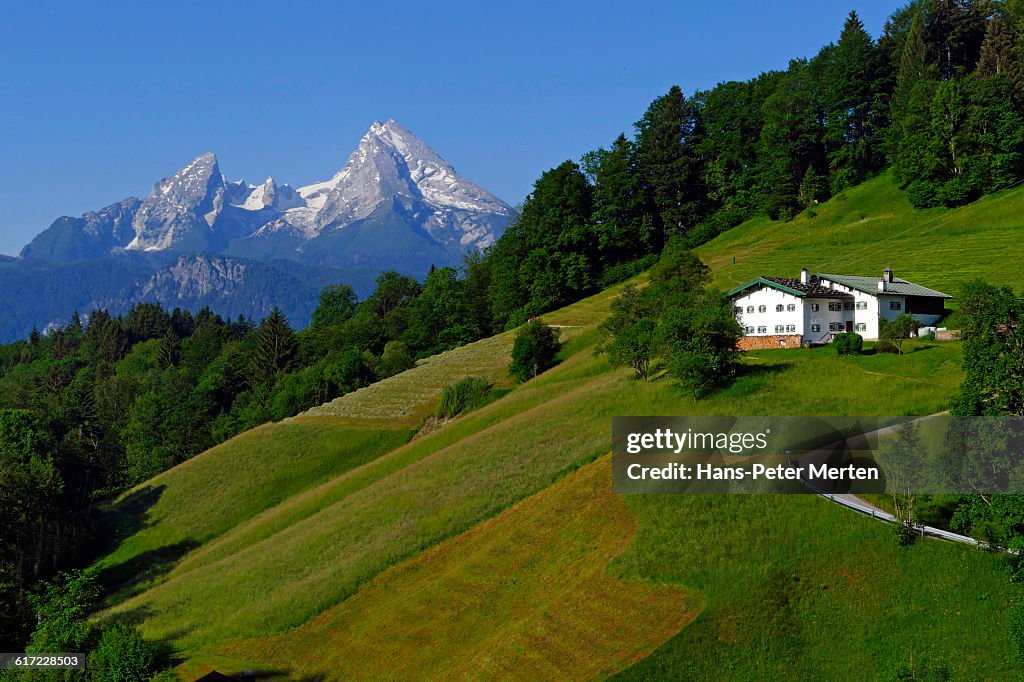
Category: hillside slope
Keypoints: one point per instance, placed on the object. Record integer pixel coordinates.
(873, 226)
(783, 581)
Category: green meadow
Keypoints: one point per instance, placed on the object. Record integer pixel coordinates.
(295, 541)
(872, 226)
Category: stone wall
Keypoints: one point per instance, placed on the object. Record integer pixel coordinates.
(771, 341)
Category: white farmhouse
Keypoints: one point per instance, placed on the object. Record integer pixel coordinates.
(780, 311)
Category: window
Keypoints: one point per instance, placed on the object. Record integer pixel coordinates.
(848, 305)
(779, 308)
(748, 330)
(862, 326)
(815, 307)
(762, 330)
(835, 305)
(895, 305)
(791, 307)
(762, 308)
(750, 308)
(835, 326)
(779, 329)
(791, 328)
(815, 327)
(738, 310)
(862, 305)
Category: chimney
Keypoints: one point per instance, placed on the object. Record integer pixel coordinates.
(887, 275)
(805, 276)
(882, 285)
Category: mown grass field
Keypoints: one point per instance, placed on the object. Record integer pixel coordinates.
(873, 226)
(404, 400)
(524, 594)
(382, 547)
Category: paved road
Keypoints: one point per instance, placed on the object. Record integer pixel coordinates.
(858, 504)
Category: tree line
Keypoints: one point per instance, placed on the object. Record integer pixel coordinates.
(938, 98)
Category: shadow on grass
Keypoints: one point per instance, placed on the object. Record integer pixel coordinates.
(122, 519)
(751, 379)
(763, 370)
(118, 522)
(128, 579)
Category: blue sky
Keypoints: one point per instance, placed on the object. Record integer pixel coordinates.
(97, 103)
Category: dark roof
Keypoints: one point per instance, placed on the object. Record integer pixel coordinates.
(794, 287)
(869, 285)
(214, 676)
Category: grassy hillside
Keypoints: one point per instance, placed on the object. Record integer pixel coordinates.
(553, 613)
(404, 400)
(873, 226)
(204, 497)
(406, 542)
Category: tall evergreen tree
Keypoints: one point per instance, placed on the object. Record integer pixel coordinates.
(275, 348)
(551, 256)
(618, 214)
(666, 140)
(854, 98)
(999, 55)
(732, 116)
(909, 135)
(791, 140)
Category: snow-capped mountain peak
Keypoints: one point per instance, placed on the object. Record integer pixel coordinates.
(393, 193)
(393, 166)
(180, 206)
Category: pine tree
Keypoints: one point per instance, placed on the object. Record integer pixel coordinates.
(910, 133)
(790, 141)
(170, 348)
(913, 64)
(853, 96)
(618, 203)
(999, 54)
(666, 137)
(814, 187)
(275, 348)
(955, 30)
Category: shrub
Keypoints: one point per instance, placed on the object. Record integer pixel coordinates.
(848, 343)
(906, 533)
(956, 192)
(462, 396)
(897, 330)
(395, 358)
(534, 350)
(886, 347)
(516, 318)
(122, 655)
(923, 194)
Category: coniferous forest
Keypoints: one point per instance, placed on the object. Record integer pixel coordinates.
(92, 408)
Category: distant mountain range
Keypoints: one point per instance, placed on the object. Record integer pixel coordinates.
(200, 239)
